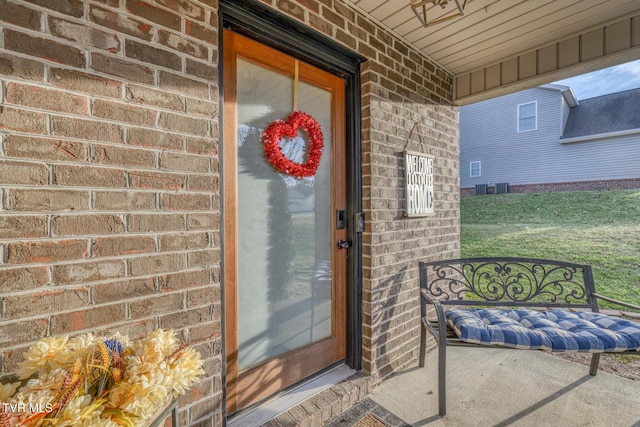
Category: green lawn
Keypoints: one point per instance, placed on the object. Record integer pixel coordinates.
(601, 228)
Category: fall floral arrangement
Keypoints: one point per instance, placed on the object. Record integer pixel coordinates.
(89, 381)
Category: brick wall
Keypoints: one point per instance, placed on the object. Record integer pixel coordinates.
(605, 184)
(110, 203)
(109, 199)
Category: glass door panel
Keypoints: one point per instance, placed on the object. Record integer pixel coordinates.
(284, 252)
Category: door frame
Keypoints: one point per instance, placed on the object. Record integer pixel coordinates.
(252, 19)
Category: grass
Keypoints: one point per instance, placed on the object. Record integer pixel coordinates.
(601, 228)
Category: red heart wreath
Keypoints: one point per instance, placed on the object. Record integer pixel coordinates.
(289, 128)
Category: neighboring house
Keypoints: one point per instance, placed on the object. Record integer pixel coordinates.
(543, 139)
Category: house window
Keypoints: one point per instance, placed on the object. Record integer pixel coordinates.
(527, 117)
(474, 169)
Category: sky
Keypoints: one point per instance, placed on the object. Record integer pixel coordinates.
(608, 80)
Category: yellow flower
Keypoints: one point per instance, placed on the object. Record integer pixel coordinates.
(7, 390)
(48, 353)
(80, 409)
(50, 381)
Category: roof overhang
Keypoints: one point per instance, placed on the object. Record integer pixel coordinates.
(499, 47)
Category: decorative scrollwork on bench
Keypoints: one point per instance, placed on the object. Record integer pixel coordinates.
(522, 280)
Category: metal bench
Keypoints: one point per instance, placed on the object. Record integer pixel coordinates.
(517, 287)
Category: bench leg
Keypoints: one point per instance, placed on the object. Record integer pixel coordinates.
(595, 361)
(442, 383)
(423, 345)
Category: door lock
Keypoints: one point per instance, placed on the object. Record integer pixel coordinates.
(343, 244)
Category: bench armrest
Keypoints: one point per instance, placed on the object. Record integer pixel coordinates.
(615, 301)
(440, 334)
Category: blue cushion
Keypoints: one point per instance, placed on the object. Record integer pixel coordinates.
(553, 330)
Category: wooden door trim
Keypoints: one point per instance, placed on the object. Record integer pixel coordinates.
(230, 216)
(242, 387)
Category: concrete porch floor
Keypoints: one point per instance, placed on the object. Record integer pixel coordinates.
(487, 387)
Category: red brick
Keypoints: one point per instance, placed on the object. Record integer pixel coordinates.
(136, 330)
(122, 112)
(46, 251)
(204, 296)
(198, 391)
(22, 120)
(88, 176)
(291, 8)
(202, 108)
(185, 241)
(111, 3)
(184, 280)
(20, 306)
(68, 7)
(201, 32)
(184, 162)
(125, 245)
(159, 98)
(84, 35)
(121, 68)
(121, 201)
(76, 225)
(123, 290)
(183, 123)
(208, 183)
(204, 258)
(181, 84)
(21, 227)
(152, 55)
(186, 318)
(150, 223)
(45, 149)
(120, 23)
(46, 99)
(18, 67)
(87, 271)
(154, 14)
(206, 146)
(20, 332)
(23, 278)
(86, 129)
(20, 15)
(187, 202)
(180, 44)
(125, 157)
(184, 8)
(157, 180)
(157, 264)
(13, 172)
(203, 70)
(155, 139)
(203, 221)
(88, 318)
(204, 332)
(43, 48)
(154, 305)
(84, 82)
(47, 200)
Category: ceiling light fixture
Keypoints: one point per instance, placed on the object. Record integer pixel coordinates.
(421, 7)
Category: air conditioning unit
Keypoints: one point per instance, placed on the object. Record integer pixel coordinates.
(481, 189)
(502, 187)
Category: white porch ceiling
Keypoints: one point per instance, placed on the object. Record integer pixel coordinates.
(494, 31)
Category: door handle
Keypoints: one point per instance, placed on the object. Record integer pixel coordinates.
(343, 244)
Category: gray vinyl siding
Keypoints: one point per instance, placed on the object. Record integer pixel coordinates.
(488, 133)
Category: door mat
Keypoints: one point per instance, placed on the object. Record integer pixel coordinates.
(370, 421)
(367, 413)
